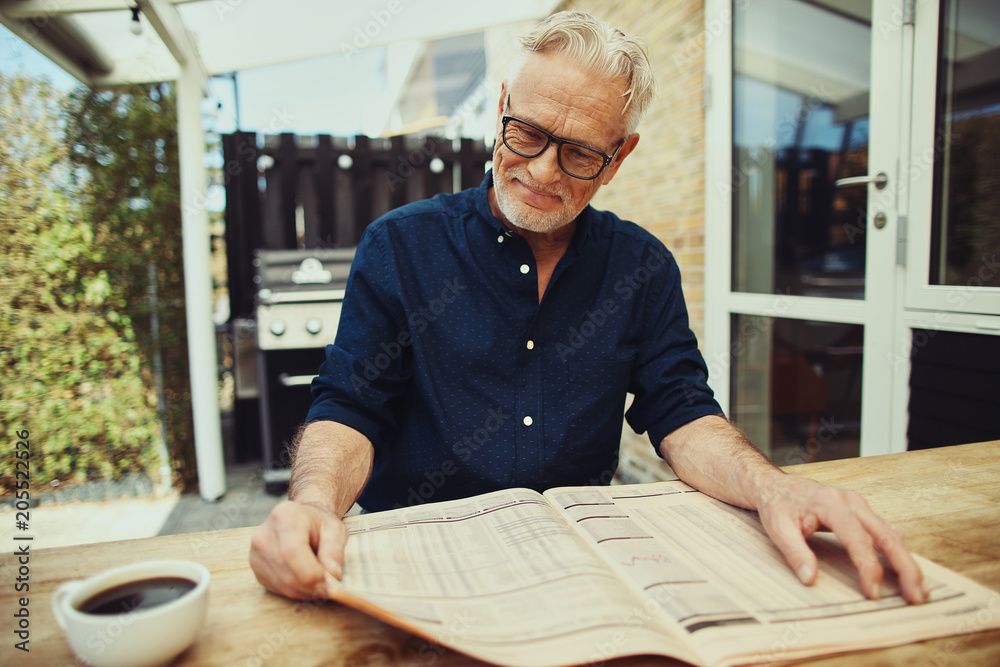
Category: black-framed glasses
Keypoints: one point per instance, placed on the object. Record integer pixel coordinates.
(575, 159)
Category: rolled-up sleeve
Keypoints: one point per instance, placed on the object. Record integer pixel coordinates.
(670, 377)
(368, 366)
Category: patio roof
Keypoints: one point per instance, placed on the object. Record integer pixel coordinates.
(92, 40)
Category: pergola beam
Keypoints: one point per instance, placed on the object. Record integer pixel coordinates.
(42, 9)
(192, 86)
(44, 44)
(38, 9)
(197, 255)
(168, 25)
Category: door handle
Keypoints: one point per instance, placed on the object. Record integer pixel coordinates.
(880, 180)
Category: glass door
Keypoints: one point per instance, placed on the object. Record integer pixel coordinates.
(947, 341)
(804, 265)
(953, 170)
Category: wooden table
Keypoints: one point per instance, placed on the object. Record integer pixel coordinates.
(947, 499)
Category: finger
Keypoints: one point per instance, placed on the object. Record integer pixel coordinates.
(787, 535)
(842, 519)
(332, 542)
(889, 541)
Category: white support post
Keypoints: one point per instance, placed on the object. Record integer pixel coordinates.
(198, 285)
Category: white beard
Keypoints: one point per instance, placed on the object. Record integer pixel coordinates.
(526, 217)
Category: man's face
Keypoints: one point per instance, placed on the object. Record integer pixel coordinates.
(555, 94)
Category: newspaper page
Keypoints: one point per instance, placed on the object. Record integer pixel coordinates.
(711, 571)
(501, 577)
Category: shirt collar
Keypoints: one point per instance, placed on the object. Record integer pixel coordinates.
(583, 221)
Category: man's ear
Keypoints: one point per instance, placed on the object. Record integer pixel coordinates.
(609, 172)
(500, 106)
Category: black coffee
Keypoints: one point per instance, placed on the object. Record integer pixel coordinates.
(142, 594)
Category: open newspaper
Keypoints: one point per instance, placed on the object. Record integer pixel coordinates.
(587, 574)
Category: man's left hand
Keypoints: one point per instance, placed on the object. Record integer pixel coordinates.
(717, 458)
(794, 508)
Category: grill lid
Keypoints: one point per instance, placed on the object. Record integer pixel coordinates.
(301, 275)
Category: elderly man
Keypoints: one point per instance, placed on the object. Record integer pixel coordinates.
(488, 340)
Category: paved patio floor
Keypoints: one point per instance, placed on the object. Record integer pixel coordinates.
(86, 522)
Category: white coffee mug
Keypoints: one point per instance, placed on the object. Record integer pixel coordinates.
(139, 637)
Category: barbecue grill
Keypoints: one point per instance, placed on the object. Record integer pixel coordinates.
(299, 298)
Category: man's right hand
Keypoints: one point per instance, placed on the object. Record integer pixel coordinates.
(296, 547)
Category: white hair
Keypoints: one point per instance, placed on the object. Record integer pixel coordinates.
(602, 48)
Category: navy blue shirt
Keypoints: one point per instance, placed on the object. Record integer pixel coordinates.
(465, 383)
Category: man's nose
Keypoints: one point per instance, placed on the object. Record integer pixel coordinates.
(545, 168)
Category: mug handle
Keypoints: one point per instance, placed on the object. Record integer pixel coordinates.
(57, 600)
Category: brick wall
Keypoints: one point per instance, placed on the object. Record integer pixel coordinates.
(661, 184)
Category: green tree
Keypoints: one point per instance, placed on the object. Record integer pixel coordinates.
(125, 141)
(69, 355)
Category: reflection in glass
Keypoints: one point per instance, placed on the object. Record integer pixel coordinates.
(796, 387)
(966, 236)
(800, 122)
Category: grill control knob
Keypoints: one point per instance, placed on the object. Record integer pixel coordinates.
(314, 325)
(278, 327)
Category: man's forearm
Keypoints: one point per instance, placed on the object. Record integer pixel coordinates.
(331, 466)
(716, 458)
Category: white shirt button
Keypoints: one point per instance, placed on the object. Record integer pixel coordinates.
(525, 268)
(527, 420)
(530, 345)
(500, 239)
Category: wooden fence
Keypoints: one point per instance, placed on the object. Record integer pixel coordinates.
(287, 191)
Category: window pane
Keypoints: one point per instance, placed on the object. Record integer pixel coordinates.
(796, 387)
(800, 122)
(966, 237)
